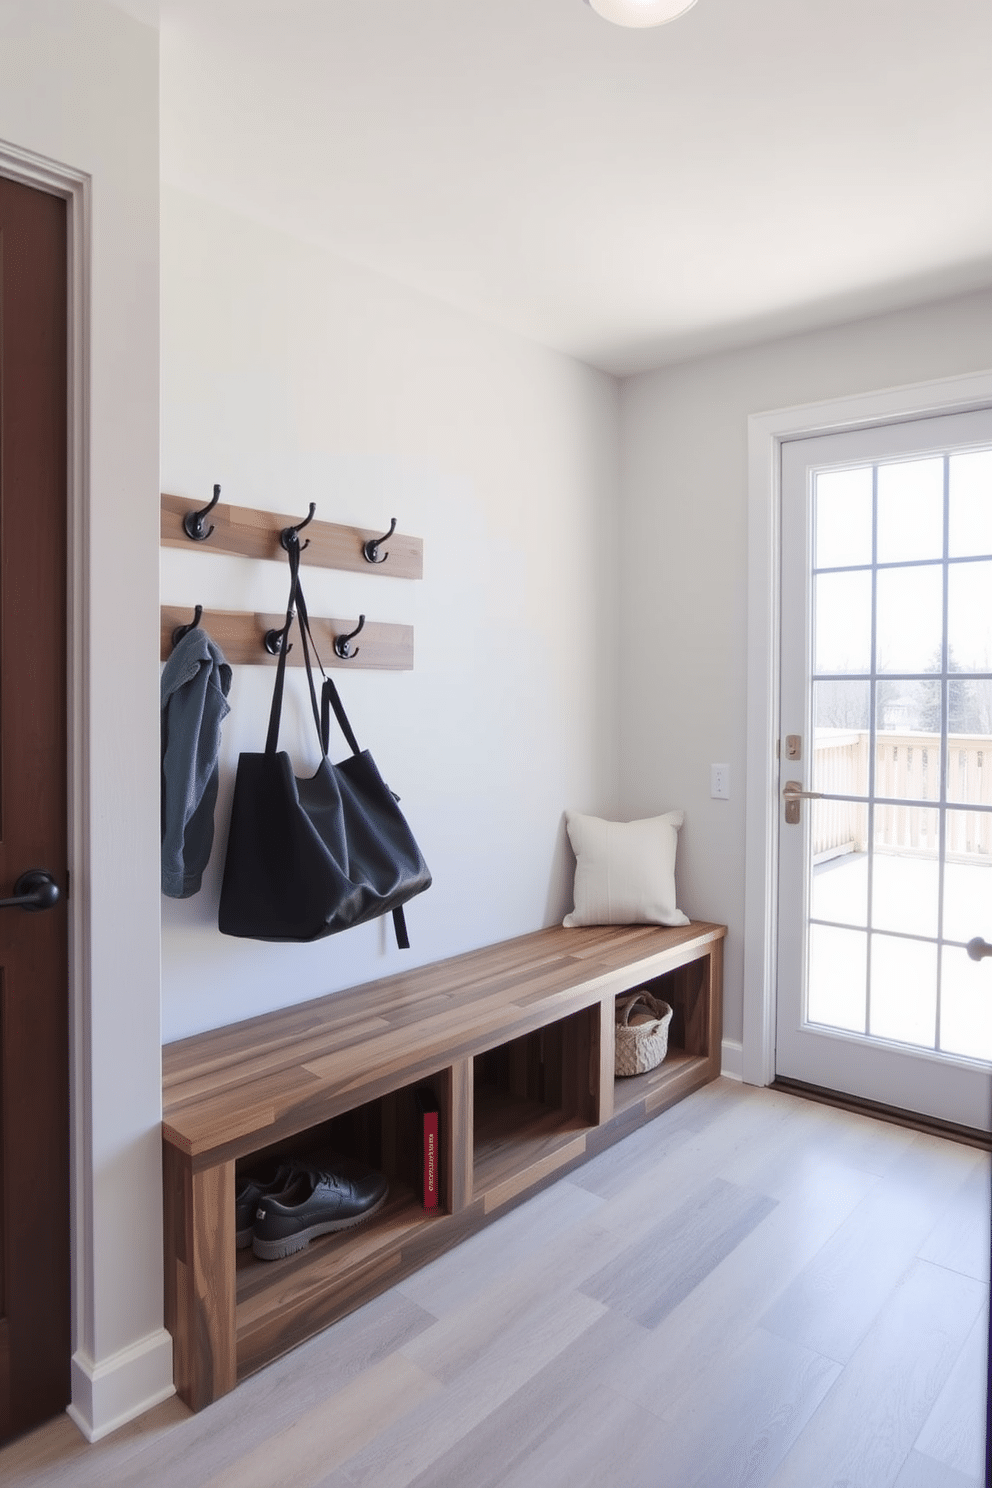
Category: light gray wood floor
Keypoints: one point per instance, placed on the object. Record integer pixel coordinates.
(751, 1290)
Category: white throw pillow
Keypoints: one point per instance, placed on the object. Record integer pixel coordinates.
(624, 871)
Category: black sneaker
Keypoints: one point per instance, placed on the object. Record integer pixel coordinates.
(317, 1202)
(251, 1187)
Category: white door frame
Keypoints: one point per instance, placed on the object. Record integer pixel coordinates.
(766, 434)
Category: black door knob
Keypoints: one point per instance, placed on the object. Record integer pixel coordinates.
(34, 890)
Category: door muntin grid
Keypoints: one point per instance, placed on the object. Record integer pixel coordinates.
(901, 713)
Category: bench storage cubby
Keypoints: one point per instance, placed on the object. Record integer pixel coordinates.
(516, 1041)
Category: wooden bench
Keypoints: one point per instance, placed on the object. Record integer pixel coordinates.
(517, 1042)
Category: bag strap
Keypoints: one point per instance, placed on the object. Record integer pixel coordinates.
(275, 712)
(399, 925)
(307, 640)
(329, 698)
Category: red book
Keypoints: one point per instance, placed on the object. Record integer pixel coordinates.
(428, 1109)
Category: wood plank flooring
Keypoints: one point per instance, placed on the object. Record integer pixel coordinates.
(752, 1291)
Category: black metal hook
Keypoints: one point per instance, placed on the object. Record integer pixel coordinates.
(370, 551)
(289, 535)
(342, 643)
(182, 630)
(193, 521)
(273, 640)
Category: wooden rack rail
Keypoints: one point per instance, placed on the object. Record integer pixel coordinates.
(241, 637)
(255, 534)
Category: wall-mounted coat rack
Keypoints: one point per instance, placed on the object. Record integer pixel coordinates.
(221, 528)
(340, 643)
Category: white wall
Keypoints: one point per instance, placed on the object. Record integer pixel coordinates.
(290, 376)
(683, 568)
(79, 85)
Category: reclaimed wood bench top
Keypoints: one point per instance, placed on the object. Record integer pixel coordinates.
(230, 1090)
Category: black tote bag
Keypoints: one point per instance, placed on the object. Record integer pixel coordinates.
(308, 858)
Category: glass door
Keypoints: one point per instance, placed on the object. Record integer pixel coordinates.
(885, 856)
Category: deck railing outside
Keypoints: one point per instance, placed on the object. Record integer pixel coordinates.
(907, 765)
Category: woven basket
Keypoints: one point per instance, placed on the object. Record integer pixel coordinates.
(642, 1033)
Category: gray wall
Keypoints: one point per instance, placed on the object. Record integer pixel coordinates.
(683, 568)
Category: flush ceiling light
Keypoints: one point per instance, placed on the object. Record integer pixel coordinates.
(640, 12)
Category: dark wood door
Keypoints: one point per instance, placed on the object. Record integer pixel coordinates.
(34, 1060)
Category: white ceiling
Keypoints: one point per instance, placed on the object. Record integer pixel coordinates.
(630, 197)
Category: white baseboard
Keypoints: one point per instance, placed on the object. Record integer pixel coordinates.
(105, 1395)
(732, 1059)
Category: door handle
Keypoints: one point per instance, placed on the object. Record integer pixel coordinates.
(978, 948)
(34, 890)
(793, 793)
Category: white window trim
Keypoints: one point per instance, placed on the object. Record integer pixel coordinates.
(766, 434)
